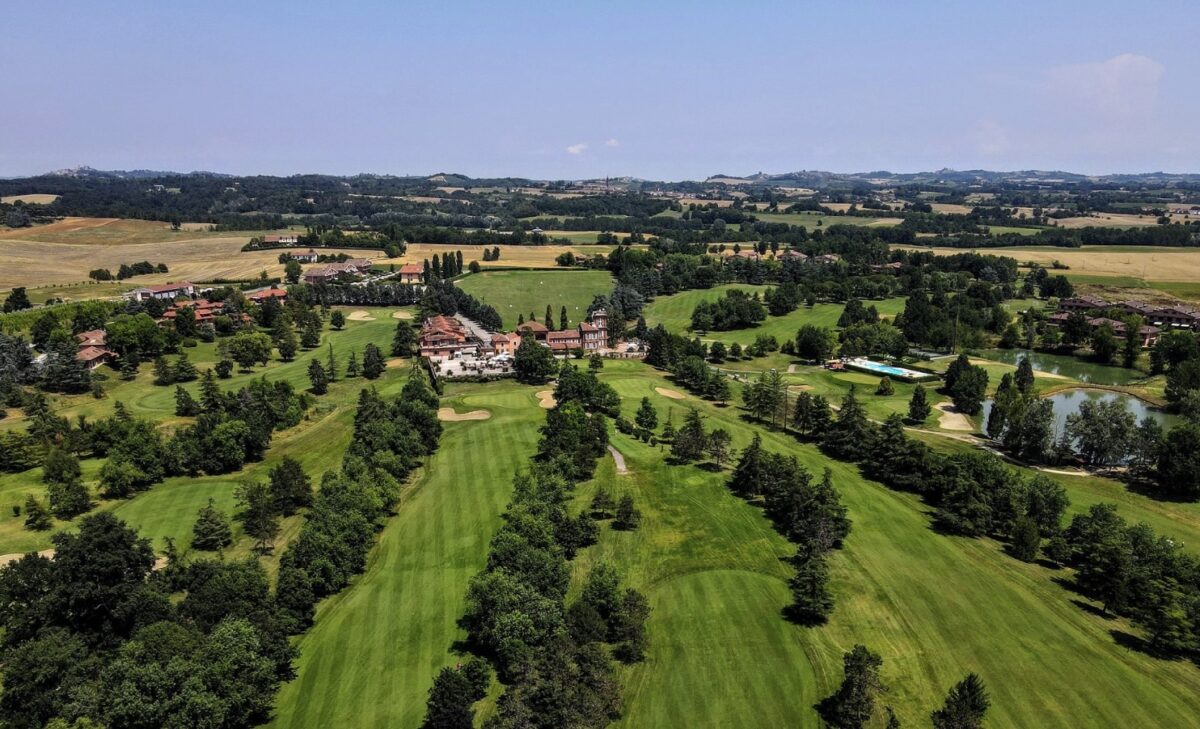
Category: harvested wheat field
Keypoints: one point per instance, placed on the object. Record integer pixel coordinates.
(510, 256)
(63, 252)
(448, 415)
(546, 399)
(1151, 263)
(673, 394)
(37, 198)
(360, 315)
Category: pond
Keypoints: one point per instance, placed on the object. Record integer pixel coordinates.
(1067, 403)
(1066, 365)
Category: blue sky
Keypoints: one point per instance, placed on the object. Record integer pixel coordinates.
(554, 90)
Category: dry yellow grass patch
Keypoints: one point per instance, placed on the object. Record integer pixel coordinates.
(673, 394)
(450, 416)
(37, 198)
(546, 399)
(950, 208)
(395, 362)
(360, 315)
(1150, 263)
(63, 252)
(520, 256)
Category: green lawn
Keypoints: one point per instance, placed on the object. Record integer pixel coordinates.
(516, 293)
(675, 313)
(169, 509)
(371, 657)
(934, 607)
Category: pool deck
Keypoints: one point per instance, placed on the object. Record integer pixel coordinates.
(904, 374)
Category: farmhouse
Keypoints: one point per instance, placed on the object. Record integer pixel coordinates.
(1146, 333)
(411, 273)
(334, 271)
(165, 292)
(258, 296)
(444, 337)
(506, 343)
(793, 255)
(535, 328)
(590, 336)
(93, 349)
(310, 257)
(285, 239)
(1082, 303)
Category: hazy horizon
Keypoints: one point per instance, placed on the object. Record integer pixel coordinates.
(546, 91)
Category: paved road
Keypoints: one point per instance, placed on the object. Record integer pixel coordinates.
(619, 460)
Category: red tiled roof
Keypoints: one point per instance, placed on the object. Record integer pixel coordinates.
(90, 354)
(412, 268)
(532, 326)
(92, 337)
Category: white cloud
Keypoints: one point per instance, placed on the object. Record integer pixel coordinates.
(612, 143)
(577, 148)
(1123, 86)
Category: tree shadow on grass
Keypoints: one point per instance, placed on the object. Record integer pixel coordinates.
(1091, 609)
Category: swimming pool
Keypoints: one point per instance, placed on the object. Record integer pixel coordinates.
(900, 373)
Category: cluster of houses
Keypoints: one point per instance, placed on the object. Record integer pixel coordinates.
(445, 338)
(750, 254)
(1157, 317)
(93, 348)
(333, 271)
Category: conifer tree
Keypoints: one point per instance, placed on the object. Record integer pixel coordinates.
(352, 369)
(372, 364)
(918, 406)
(185, 405)
(37, 518)
(211, 530)
(965, 705)
(317, 377)
(331, 365)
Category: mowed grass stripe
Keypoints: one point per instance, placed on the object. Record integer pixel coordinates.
(935, 607)
(371, 657)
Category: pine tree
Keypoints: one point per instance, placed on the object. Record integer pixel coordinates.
(602, 504)
(185, 405)
(291, 488)
(331, 365)
(372, 364)
(647, 416)
(185, 371)
(1025, 539)
(520, 319)
(311, 337)
(210, 394)
(404, 340)
(668, 432)
(885, 387)
(337, 320)
(549, 319)
(689, 443)
(918, 406)
(965, 705)
(317, 377)
(627, 517)
(1024, 376)
(37, 518)
(163, 375)
(562, 318)
(811, 599)
(224, 369)
(211, 530)
(852, 705)
(352, 369)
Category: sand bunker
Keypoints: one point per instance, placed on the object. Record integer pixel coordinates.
(360, 315)
(673, 394)
(402, 314)
(7, 558)
(951, 419)
(799, 388)
(450, 416)
(546, 399)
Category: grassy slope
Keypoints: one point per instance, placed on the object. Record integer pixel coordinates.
(169, 509)
(675, 313)
(935, 607)
(376, 647)
(516, 293)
